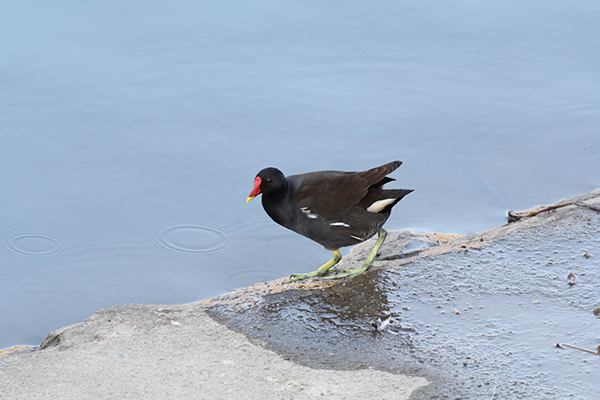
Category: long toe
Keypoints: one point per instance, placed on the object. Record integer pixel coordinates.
(298, 277)
(348, 274)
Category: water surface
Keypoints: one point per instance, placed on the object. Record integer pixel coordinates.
(131, 134)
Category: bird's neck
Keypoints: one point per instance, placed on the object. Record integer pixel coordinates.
(279, 205)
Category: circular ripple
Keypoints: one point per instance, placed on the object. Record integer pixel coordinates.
(34, 244)
(193, 238)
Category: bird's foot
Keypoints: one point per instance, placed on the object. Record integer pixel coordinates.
(368, 262)
(352, 272)
(324, 270)
(315, 274)
(298, 277)
(348, 274)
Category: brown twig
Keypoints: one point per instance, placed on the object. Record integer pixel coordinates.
(516, 216)
(579, 348)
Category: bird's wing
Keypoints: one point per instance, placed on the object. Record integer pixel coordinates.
(331, 194)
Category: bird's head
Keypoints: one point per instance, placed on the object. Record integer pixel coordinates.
(269, 180)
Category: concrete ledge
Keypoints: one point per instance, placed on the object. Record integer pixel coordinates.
(176, 352)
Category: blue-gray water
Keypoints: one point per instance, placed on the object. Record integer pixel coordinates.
(131, 133)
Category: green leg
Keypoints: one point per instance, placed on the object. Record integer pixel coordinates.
(337, 256)
(368, 262)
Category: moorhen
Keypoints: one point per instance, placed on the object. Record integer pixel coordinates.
(333, 208)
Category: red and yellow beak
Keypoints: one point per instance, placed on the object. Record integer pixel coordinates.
(255, 190)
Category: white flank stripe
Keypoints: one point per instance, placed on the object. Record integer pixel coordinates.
(340, 224)
(380, 205)
(309, 213)
(357, 238)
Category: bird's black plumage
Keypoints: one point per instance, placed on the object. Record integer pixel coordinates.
(333, 208)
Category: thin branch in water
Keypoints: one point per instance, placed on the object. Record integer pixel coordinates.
(516, 216)
(563, 345)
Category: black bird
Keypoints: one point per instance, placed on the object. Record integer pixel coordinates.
(333, 208)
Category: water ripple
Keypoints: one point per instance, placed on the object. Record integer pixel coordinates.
(34, 244)
(193, 238)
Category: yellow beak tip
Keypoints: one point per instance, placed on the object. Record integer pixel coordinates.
(249, 199)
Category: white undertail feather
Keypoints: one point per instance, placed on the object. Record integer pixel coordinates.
(380, 205)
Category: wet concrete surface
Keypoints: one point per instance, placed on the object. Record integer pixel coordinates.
(478, 316)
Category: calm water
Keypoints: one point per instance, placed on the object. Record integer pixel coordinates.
(131, 134)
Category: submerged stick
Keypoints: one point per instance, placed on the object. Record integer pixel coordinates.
(516, 216)
(579, 348)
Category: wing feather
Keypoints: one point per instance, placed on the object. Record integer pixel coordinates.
(343, 189)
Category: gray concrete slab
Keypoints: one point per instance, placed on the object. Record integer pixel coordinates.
(174, 352)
